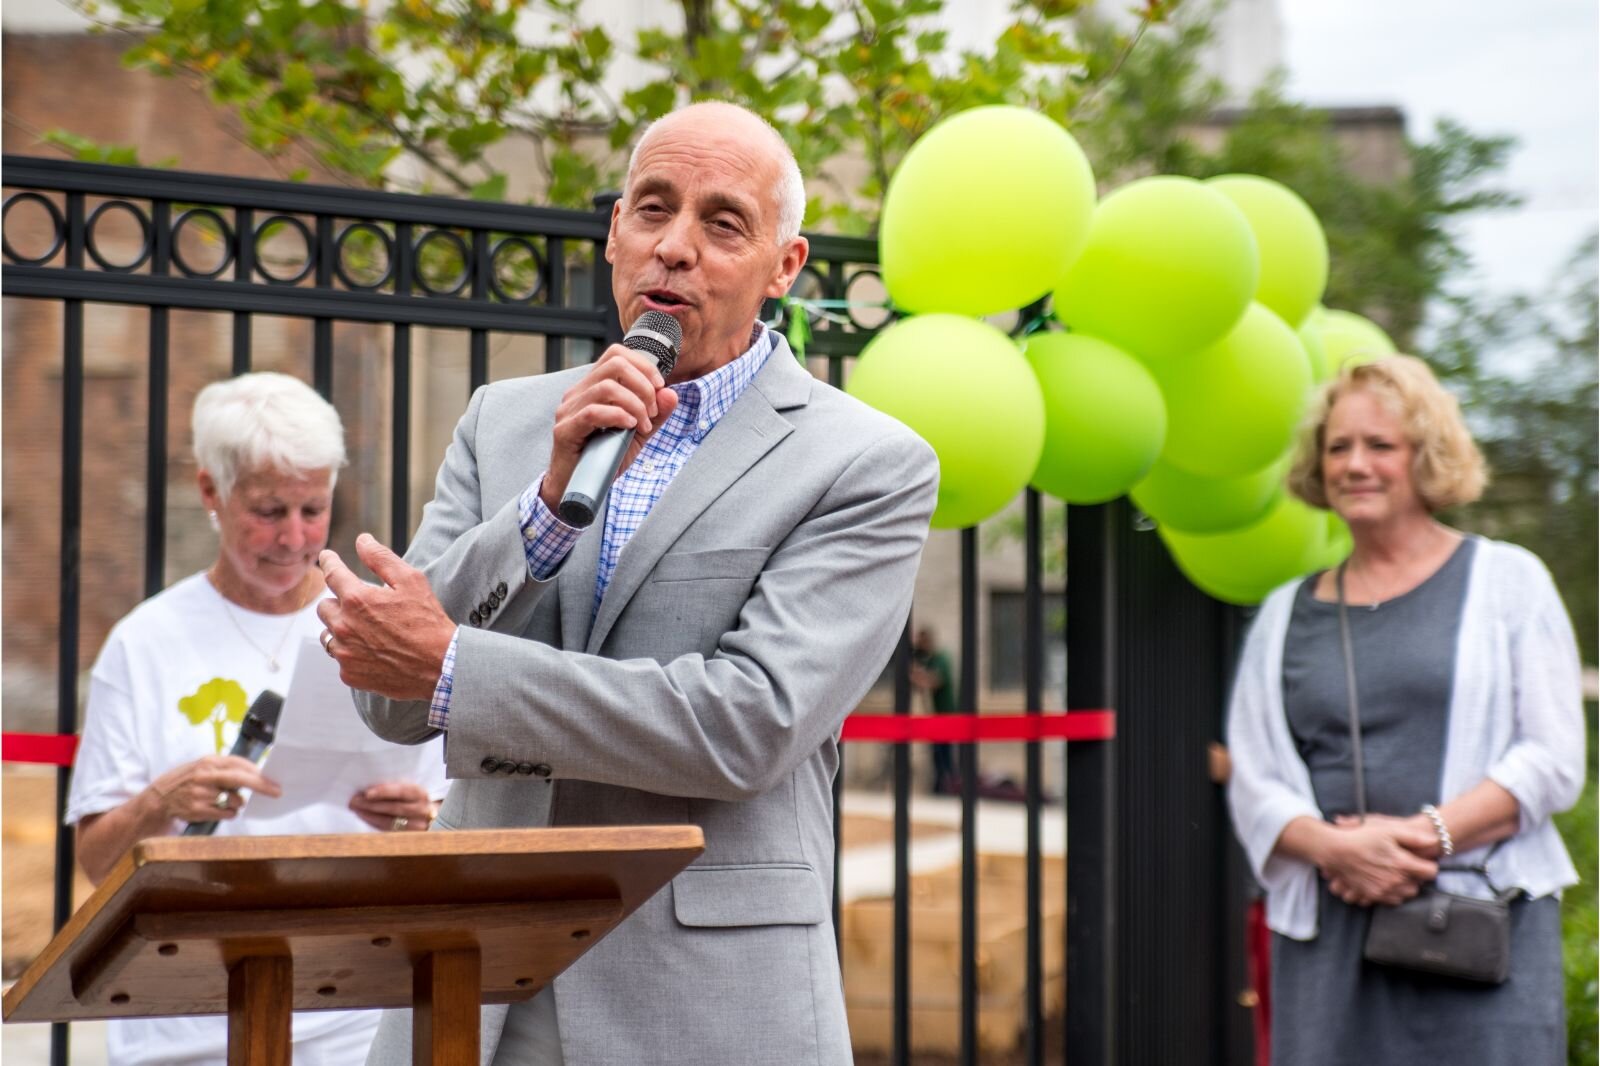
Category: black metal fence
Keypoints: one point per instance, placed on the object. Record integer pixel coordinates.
(1151, 971)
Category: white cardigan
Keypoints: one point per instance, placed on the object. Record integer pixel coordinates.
(1516, 718)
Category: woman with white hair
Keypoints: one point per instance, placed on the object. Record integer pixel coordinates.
(1413, 715)
(176, 676)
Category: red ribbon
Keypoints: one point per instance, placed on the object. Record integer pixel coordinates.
(961, 728)
(53, 749)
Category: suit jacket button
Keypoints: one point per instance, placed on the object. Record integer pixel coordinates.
(542, 769)
(489, 764)
(507, 767)
(484, 608)
(475, 618)
(494, 599)
(500, 589)
(524, 768)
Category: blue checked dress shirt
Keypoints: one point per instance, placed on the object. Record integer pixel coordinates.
(547, 540)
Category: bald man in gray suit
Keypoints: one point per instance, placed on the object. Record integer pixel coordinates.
(690, 656)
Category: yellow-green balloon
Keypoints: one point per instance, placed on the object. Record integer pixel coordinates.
(1104, 419)
(967, 390)
(1349, 338)
(984, 213)
(1294, 250)
(1179, 500)
(1310, 334)
(1233, 407)
(1243, 565)
(1336, 543)
(1170, 266)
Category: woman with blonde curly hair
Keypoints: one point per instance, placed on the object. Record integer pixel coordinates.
(1471, 736)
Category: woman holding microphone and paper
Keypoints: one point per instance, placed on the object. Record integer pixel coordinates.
(174, 680)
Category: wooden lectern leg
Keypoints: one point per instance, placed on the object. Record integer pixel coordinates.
(446, 987)
(260, 998)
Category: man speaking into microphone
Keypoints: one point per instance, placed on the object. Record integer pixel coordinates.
(689, 656)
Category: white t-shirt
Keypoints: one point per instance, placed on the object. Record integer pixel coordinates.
(171, 685)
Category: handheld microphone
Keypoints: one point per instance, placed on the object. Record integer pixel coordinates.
(256, 733)
(654, 333)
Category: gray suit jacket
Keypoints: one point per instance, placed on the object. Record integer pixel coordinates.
(746, 618)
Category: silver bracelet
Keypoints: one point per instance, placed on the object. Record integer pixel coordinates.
(1446, 845)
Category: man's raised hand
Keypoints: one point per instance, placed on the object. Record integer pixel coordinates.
(388, 638)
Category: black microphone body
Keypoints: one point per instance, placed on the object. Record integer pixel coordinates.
(657, 334)
(256, 733)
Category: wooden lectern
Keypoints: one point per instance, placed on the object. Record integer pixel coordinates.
(258, 926)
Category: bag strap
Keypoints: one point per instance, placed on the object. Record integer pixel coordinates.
(1350, 688)
(1480, 868)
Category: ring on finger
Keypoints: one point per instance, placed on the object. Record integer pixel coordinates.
(399, 823)
(224, 798)
(327, 640)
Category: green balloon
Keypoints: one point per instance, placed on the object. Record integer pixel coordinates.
(967, 390)
(1183, 501)
(1349, 338)
(1294, 250)
(1244, 565)
(1104, 419)
(1169, 267)
(985, 212)
(1310, 334)
(1336, 543)
(1233, 407)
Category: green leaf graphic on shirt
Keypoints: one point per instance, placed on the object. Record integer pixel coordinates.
(218, 701)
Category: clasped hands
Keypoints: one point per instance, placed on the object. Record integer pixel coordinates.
(1382, 860)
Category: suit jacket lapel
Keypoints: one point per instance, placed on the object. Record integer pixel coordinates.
(751, 427)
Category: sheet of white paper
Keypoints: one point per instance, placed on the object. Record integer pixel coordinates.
(324, 752)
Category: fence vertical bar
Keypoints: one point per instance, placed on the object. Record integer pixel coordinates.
(1033, 683)
(478, 344)
(244, 270)
(322, 328)
(400, 413)
(605, 300)
(900, 1043)
(1092, 562)
(155, 458)
(969, 800)
(555, 294)
(67, 594)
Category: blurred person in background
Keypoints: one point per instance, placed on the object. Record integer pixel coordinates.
(178, 673)
(1472, 737)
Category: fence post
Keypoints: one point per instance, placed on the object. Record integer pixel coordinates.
(1092, 889)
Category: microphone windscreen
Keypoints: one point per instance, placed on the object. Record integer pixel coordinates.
(657, 334)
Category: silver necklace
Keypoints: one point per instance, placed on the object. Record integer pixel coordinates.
(272, 656)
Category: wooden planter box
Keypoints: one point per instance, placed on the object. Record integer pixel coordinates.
(868, 945)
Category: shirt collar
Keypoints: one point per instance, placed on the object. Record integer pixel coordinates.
(705, 399)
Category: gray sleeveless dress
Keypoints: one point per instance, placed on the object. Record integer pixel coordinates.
(1329, 1006)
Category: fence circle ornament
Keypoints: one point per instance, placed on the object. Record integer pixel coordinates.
(874, 301)
(499, 261)
(58, 225)
(91, 242)
(223, 228)
(453, 239)
(263, 233)
(342, 251)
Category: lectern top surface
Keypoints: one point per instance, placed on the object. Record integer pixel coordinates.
(352, 910)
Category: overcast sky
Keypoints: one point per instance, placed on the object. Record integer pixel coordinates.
(1527, 69)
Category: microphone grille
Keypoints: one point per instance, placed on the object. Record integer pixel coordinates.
(658, 335)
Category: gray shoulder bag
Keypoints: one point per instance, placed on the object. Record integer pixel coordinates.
(1435, 931)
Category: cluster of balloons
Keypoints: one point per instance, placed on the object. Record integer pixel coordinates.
(1193, 336)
